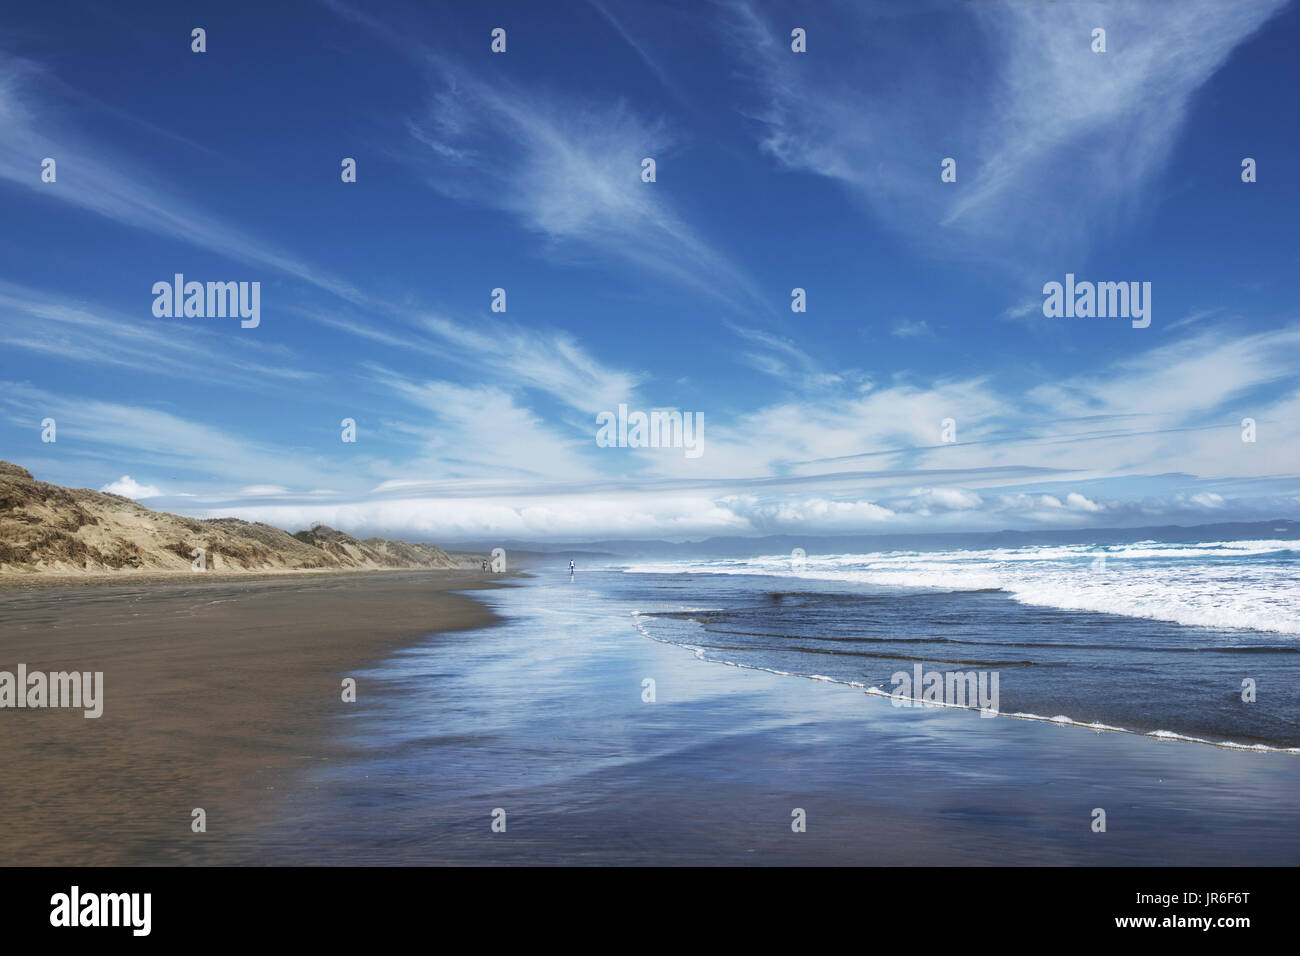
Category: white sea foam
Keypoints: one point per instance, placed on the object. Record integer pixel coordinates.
(1226, 584)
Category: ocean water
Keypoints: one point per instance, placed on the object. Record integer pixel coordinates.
(547, 718)
(1148, 637)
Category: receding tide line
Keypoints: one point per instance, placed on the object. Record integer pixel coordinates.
(1060, 720)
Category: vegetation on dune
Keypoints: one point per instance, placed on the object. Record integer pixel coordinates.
(45, 527)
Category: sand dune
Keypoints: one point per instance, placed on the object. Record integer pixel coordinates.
(48, 529)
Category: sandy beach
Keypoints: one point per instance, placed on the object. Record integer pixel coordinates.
(216, 693)
(531, 699)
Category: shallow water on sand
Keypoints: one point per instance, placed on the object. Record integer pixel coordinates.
(1124, 673)
(543, 718)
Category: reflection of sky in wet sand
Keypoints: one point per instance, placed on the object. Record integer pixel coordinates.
(543, 717)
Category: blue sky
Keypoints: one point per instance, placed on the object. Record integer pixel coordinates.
(774, 170)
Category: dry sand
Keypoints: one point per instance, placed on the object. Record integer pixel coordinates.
(217, 692)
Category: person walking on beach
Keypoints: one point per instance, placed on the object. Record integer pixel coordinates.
(572, 566)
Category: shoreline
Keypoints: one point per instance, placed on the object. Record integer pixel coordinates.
(216, 692)
(1166, 736)
(10, 580)
(709, 770)
(547, 718)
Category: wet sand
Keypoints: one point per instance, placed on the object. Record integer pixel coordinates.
(226, 696)
(217, 693)
(546, 718)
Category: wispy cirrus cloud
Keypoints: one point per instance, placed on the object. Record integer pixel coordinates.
(1176, 407)
(549, 360)
(161, 441)
(569, 169)
(500, 353)
(781, 358)
(38, 322)
(95, 177)
(567, 165)
(1046, 109)
(482, 431)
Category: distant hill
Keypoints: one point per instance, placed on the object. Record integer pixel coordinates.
(48, 528)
